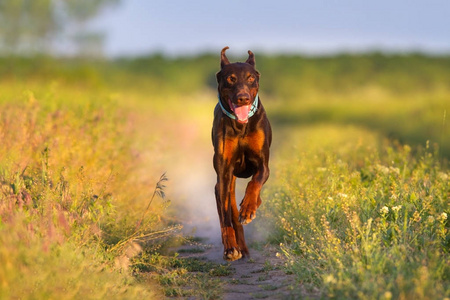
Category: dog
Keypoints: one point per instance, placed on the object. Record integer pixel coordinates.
(241, 136)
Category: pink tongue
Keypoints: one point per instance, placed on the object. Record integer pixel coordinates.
(242, 112)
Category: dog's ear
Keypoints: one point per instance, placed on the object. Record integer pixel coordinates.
(218, 77)
(251, 58)
(223, 58)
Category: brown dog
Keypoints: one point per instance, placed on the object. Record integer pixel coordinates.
(241, 136)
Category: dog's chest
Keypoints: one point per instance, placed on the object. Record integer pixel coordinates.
(252, 141)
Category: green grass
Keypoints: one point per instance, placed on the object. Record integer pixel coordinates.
(360, 217)
(183, 277)
(410, 118)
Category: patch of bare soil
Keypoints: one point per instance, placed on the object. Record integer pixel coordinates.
(259, 277)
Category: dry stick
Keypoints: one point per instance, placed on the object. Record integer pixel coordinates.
(159, 190)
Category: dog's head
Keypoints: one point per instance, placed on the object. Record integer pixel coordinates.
(238, 84)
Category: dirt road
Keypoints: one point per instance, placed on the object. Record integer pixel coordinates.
(259, 277)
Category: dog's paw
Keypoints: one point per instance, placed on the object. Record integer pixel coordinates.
(232, 254)
(246, 215)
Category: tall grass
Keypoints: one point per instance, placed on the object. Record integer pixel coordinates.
(66, 169)
(357, 217)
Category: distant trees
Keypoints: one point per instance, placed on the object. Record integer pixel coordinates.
(46, 26)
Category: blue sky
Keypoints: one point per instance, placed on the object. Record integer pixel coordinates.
(137, 27)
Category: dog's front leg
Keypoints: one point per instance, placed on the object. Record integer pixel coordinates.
(252, 198)
(223, 191)
(224, 208)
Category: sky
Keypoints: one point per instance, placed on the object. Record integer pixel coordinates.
(173, 27)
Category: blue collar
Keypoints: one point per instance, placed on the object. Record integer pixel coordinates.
(252, 111)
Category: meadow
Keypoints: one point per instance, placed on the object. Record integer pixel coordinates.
(357, 203)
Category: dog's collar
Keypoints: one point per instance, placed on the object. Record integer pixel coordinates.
(252, 111)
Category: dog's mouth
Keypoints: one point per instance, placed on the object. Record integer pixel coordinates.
(241, 112)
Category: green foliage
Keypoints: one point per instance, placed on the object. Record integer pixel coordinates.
(362, 221)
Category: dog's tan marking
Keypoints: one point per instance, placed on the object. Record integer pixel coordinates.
(229, 148)
(255, 140)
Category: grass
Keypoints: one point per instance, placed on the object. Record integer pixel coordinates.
(360, 217)
(410, 118)
(183, 277)
(64, 171)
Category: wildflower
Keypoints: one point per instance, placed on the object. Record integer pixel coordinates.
(383, 169)
(416, 216)
(343, 195)
(430, 220)
(278, 254)
(396, 208)
(387, 295)
(443, 176)
(329, 279)
(384, 210)
(394, 170)
(355, 174)
(442, 217)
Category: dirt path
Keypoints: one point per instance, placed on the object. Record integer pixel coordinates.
(259, 277)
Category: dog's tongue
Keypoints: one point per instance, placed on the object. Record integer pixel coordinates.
(241, 112)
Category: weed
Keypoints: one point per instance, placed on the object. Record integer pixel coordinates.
(259, 295)
(268, 266)
(263, 277)
(191, 250)
(236, 281)
(221, 270)
(268, 287)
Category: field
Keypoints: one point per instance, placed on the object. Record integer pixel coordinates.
(103, 163)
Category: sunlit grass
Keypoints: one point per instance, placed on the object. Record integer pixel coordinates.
(66, 170)
(361, 218)
(412, 118)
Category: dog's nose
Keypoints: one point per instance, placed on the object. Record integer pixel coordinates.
(243, 99)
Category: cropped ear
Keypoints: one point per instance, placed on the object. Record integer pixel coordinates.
(251, 58)
(223, 58)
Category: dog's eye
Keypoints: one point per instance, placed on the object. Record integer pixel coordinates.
(251, 79)
(231, 79)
